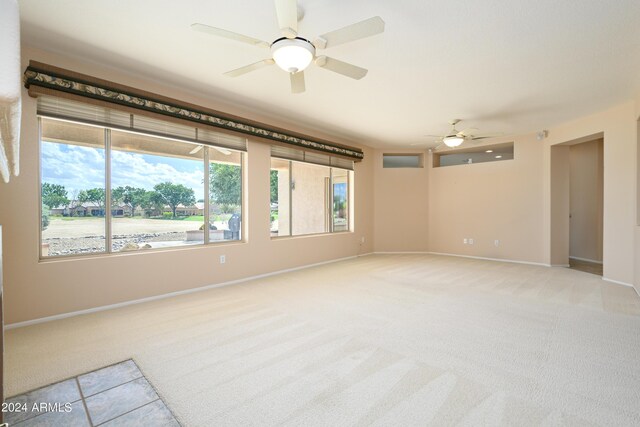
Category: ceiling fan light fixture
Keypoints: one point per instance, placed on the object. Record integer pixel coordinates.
(453, 141)
(292, 55)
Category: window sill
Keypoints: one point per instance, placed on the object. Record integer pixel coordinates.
(191, 247)
(311, 235)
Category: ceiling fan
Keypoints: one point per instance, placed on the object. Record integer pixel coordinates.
(454, 137)
(293, 53)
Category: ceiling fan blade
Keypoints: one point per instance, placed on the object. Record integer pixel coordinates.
(340, 67)
(220, 149)
(287, 11)
(228, 35)
(251, 67)
(368, 27)
(468, 132)
(195, 150)
(297, 82)
(486, 135)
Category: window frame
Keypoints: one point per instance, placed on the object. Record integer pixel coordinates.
(418, 156)
(329, 210)
(108, 214)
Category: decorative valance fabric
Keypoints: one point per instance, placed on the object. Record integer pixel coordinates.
(42, 79)
(290, 153)
(81, 112)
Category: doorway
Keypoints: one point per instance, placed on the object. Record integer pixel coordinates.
(586, 191)
(577, 204)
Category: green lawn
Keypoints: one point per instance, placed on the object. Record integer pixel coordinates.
(199, 218)
(72, 218)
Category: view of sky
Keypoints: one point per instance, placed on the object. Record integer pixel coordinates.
(81, 168)
(340, 190)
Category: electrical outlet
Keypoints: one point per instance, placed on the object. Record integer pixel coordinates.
(362, 239)
(223, 259)
(465, 241)
(471, 241)
(496, 242)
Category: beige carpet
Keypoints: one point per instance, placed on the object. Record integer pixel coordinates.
(379, 340)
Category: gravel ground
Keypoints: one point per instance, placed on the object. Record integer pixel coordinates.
(82, 245)
(83, 227)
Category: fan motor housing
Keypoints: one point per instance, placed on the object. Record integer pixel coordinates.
(293, 55)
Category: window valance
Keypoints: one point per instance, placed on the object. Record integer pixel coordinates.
(43, 79)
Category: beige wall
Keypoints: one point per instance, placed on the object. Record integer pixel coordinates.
(637, 228)
(513, 199)
(401, 207)
(488, 202)
(309, 198)
(395, 210)
(586, 194)
(560, 205)
(619, 127)
(36, 289)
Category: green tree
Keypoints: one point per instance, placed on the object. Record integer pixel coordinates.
(274, 186)
(130, 196)
(225, 183)
(117, 196)
(45, 217)
(174, 195)
(54, 195)
(151, 203)
(74, 202)
(93, 195)
(134, 197)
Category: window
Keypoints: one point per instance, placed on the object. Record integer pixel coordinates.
(340, 187)
(156, 188)
(472, 155)
(225, 195)
(402, 160)
(73, 188)
(280, 181)
(308, 198)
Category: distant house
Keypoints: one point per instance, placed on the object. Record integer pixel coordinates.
(90, 209)
(181, 210)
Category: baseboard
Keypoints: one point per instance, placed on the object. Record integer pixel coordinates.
(400, 253)
(559, 265)
(585, 260)
(169, 295)
(491, 259)
(619, 283)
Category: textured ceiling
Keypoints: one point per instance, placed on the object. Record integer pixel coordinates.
(511, 66)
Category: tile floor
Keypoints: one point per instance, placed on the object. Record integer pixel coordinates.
(118, 395)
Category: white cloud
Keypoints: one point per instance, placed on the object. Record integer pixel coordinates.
(146, 171)
(75, 167)
(79, 168)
